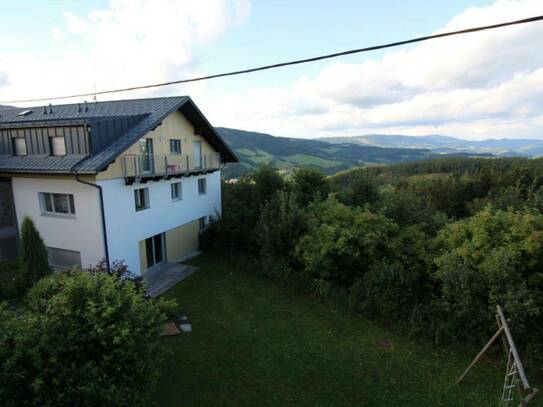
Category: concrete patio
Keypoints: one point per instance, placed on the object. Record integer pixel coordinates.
(164, 276)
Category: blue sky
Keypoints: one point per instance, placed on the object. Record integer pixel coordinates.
(71, 45)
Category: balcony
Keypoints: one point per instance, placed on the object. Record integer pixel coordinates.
(141, 167)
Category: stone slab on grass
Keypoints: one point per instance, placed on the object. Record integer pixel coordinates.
(186, 327)
(170, 329)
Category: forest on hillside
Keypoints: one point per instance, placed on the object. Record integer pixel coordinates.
(287, 154)
(432, 246)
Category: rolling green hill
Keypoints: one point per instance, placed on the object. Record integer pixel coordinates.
(254, 148)
(506, 147)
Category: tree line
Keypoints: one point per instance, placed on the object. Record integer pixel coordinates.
(433, 246)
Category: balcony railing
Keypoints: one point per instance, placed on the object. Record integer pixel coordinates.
(141, 165)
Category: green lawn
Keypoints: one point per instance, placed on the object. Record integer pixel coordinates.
(257, 344)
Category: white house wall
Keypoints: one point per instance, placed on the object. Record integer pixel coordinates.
(83, 233)
(126, 226)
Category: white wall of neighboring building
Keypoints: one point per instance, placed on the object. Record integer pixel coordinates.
(82, 233)
(126, 226)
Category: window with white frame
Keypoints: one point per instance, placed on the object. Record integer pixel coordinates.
(57, 204)
(202, 186)
(176, 191)
(63, 259)
(19, 146)
(141, 198)
(175, 146)
(58, 145)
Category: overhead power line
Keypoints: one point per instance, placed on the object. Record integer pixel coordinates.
(289, 63)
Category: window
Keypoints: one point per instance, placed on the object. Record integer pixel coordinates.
(203, 223)
(57, 204)
(202, 186)
(19, 146)
(197, 147)
(177, 192)
(63, 259)
(58, 145)
(141, 198)
(175, 146)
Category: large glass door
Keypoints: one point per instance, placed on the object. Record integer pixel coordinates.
(146, 151)
(154, 248)
(197, 154)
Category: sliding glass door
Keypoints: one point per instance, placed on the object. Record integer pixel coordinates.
(146, 150)
(197, 154)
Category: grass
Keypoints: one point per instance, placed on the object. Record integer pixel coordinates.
(304, 159)
(255, 343)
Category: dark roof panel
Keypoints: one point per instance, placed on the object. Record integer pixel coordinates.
(115, 126)
(39, 163)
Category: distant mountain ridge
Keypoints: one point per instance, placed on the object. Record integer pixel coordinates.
(447, 144)
(254, 148)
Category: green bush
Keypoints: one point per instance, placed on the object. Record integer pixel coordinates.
(387, 291)
(494, 257)
(282, 222)
(308, 185)
(84, 339)
(241, 204)
(343, 242)
(33, 253)
(12, 281)
(359, 191)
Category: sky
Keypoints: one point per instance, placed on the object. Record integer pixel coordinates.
(476, 86)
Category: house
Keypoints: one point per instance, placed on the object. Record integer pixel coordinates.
(133, 180)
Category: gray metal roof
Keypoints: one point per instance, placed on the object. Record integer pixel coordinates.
(114, 125)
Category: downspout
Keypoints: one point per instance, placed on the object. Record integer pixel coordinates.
(104, 230)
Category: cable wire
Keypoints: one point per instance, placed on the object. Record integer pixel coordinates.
(289, 63)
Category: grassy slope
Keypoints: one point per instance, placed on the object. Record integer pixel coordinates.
(254, 343)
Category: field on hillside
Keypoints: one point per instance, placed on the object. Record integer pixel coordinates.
(254, 343)
(287, 154)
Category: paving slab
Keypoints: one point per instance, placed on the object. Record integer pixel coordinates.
(165, 276)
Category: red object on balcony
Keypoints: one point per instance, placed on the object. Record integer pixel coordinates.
(173, 168)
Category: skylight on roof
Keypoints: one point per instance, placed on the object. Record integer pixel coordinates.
(25, 112)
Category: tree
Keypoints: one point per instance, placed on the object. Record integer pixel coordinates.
(361, 189)
(342, 242)
(33, 253)
(309, 184)
(241, 204)
(267, 182)
(494, 257)
(282, 222)
(84, 339)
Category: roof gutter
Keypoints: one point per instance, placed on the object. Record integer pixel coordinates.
(104, 230)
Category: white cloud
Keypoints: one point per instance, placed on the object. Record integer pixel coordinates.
(57, 33)
(487, 84)
(128, 43)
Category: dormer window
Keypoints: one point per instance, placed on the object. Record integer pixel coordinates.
(24, 113)
(19, 146)
(58, 145)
